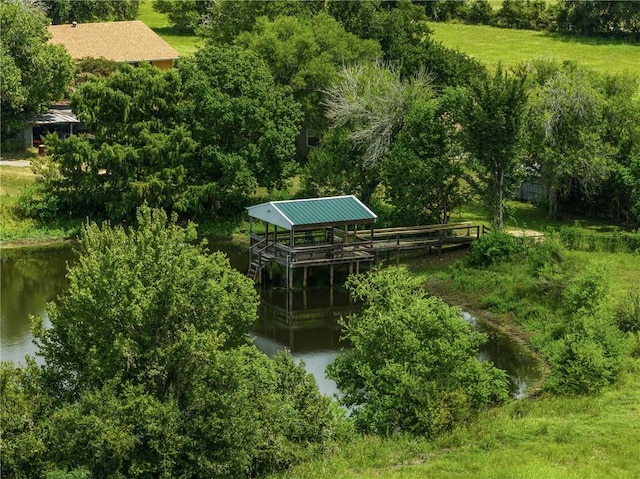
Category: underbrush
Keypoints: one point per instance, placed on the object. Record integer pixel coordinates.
(580, 310)
(572, 308)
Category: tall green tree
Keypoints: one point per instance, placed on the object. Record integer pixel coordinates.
(184, 15)
(494, 127)
(424, 174)
(89, 11)
(413, 363)
(567, 133)
(244, 123)
(600, 18)
(131, 295)
(306, 53)
(149, 371)
(138, 150)
(405, 37)
(226, 19)
(34, 73)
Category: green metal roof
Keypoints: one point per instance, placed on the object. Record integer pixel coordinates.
(312, 211)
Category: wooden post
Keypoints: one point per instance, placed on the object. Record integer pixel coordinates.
(304, 277)
(331, 273)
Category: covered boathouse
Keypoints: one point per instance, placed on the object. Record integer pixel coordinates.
(301, 234)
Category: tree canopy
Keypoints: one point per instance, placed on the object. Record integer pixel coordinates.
(413, 363)
(149, 370)
(34, 73)
(89, 11)
(495, 133)
(197, 139)
(307, 53)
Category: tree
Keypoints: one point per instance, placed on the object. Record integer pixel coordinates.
(566, 124)
(335, 168)
(89, 11)
(131, 295)
(369, 104)
(184, 15)
(138, 151)
(495, 131)
(405, 38)
(529, 14)
(197, 139)
(245, 124)
(306, 53)
(604, 18)
(413, 364)
(355, 17)
(34, 73)
(618, 195)
(427, 163)
(149, 370)
(371, 101)
(226, 19)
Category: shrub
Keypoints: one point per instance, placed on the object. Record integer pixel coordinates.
(589, 289)
(413, 366)
(628, 313)
(38, 203)
(544, 255)
(591, 350)
(589, 356)
(493, 248)
(571, 236)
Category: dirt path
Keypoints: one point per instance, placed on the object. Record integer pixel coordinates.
(18, 163)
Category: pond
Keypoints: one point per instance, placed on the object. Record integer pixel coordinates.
(303, 321)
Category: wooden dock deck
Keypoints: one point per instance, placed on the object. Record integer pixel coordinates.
(352, 249)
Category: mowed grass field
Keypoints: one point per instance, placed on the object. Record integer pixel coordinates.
(491, 46)
(183, 43)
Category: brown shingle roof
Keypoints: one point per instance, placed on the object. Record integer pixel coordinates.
(118, 41)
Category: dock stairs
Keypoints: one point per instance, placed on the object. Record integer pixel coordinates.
(257, 265)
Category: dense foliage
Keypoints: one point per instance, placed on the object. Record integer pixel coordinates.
(577, 17)
(197, 139)
(149, 370)
(585, 333)
(34, 73)
(413, 364)
(431, 147)
(90, 11)
(307, 54)
(495, 124)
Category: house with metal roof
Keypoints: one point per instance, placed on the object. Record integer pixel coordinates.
(299, 234)
(123, 42)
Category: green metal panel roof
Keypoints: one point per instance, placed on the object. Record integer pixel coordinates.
(331, 210)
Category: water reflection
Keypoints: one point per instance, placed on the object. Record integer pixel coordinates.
(303, 321)
(27, 282)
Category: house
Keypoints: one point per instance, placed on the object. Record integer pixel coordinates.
(58, 119)
(126, 42)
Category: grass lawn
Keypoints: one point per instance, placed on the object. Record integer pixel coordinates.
(185, 44)
(18, 231)
(545, 437)
(491, 45)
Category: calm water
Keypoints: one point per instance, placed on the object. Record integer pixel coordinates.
(302, 321)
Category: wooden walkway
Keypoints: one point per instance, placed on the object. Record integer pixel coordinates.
(356, 248)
